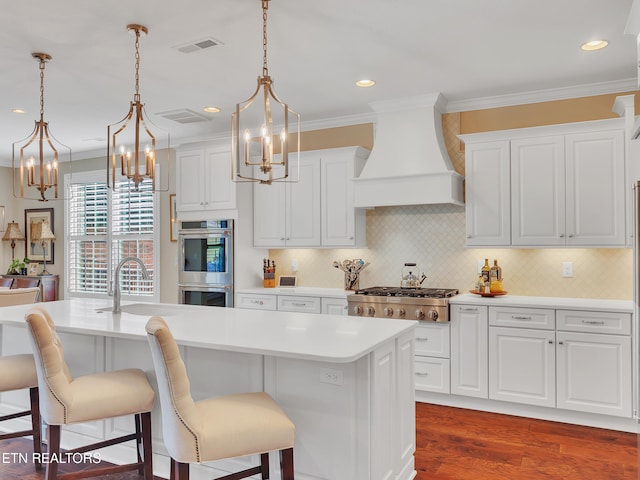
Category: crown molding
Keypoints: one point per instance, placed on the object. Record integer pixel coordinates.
(538, 96)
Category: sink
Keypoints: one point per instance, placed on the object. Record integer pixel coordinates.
(148, 309)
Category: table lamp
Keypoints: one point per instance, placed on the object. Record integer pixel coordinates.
(41, 232)
(13, 233)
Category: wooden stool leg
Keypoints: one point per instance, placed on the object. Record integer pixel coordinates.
(286, 464)
(146, 446)
(172, 469)
(264, 466)
(36, 426)
(53, 443)
(182, 471)
(136, 418)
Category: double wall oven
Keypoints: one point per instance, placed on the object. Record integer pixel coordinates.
(205, 275)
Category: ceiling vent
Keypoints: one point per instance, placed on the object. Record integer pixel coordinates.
(183, 116)
(198, 45)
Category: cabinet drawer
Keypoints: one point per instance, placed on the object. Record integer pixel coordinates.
(541, 318)
(299, 304)
(432, 374)
(256, 301)
(432, 340)
(596, 322)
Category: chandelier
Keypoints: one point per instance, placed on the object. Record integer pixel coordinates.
(40, 158)
(133, 151)
(259, 153)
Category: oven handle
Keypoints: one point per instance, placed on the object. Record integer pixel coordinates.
(210, 287)
(204, 232)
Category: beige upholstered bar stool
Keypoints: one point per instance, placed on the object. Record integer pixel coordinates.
(65, 400)
(215, 428)
(18, 372)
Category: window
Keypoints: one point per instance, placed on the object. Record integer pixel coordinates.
(103, 227)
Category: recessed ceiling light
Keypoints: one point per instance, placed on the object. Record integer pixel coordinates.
(17, 110)
(211, 109)
(594, 45)
(365, 83)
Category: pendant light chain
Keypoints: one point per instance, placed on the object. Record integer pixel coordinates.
(136, 96)
(265, 69)
(42, 62)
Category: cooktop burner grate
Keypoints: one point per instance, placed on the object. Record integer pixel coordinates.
(408, 292)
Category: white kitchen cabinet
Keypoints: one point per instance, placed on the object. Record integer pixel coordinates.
(469, 350)
(594, 362)
(595, 189)
(315, 211)
(306, 300)
(432, 364)
(577, 360)
(522, 366)
(594, 373)
(203, 182)
(287, 214)
(342, 225)
(568, 190)
(256, 301)
(487, 186)
(537, 191)
(334, 306)
(559, 185)
(292, 303)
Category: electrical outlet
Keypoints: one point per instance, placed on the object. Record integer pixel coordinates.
(331, 376)
(294, 265)
(567, 269)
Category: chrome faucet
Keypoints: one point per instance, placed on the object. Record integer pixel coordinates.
(116, 280)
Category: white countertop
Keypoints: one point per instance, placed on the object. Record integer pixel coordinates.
(593, 304)
(330, 338)
(299, 291)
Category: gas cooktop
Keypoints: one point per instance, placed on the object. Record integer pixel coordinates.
(408, 292)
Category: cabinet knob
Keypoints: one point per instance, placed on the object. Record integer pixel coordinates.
(562, 235)
(550, 342)
(570, 235)
(350, 238)
(560, 343)
(468, 236)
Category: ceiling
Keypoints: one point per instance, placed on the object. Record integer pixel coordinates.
(465, 49)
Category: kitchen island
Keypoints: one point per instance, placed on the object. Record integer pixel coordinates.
(346, 382)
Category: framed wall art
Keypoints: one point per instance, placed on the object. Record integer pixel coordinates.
(34, 250)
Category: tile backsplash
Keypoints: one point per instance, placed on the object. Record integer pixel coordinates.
(433, 236)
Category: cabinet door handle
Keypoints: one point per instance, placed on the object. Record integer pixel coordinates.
(422, 374)
(562, 235)
(468, 309)
(560, 343)
(422, 339)
(350, 238)
(593, 322)
(570, 235)
(468, 236)
(550, 342)
(298, 304)
(517, 317)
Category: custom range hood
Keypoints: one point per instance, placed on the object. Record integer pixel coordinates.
(409, 164)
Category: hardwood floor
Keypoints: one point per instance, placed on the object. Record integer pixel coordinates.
(457, 444)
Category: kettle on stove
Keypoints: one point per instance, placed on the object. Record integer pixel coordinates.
(410, 276)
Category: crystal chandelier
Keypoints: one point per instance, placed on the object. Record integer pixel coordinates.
(255, 145)
(133, 151)
(40, 158)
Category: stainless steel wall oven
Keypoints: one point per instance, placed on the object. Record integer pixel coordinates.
(205, 265)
